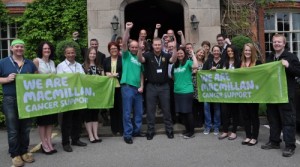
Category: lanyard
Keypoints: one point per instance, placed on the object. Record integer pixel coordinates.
(158, 61)
(71, 68)
(17, 68)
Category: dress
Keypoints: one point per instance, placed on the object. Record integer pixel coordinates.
(46, 68)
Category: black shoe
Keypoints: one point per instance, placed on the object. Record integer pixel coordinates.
(150, 136)
(45, 152)
(170, 135)
(67, 148)
(270, 145)
(128, 140)
(98, 140)
(139, 134)
(79, 143)
(54, 151)
(288, 152)
(93, 141)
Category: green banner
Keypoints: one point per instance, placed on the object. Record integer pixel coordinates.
(43, 94)
(264, 83)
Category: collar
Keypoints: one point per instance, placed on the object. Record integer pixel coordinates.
(69, 63)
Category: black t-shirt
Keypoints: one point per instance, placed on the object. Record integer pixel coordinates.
(156, 67)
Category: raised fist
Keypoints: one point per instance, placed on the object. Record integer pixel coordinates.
(157, 26)
(179, 32)
(129, 25)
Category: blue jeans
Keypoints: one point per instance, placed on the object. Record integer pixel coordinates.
(17, 129)
(217, 115)
(131, 99)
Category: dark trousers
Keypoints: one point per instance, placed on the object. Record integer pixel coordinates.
(251, 120)
(116, 116)
(230, 110)
(198, 111)
(161, 93)
(188, 120)
(282, 117)
(17, 129)
(172, 101)
(71, 126)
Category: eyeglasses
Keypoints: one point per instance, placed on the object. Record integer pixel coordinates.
(113, 49)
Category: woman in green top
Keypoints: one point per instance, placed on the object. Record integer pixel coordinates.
(183, 89)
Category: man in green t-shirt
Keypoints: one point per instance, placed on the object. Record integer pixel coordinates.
(131, 88)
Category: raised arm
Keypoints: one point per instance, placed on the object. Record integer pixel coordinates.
(140, 51)
(174, 52)
(155, 35)
(181, 37)
(126, 35)
(195, 61)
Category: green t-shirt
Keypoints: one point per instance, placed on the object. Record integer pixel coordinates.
(183, 82)
(131, 70)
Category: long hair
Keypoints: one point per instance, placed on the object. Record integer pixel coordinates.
(253, 55)
(86, 63)
(203, 59)
(236, 57)
(184, 58)
(39, 51)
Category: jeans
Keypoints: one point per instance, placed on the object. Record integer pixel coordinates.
(217, 115)
(131, 100)
(17, 129)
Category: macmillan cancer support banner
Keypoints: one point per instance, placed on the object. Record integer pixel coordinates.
(264, 83)
(43, 94)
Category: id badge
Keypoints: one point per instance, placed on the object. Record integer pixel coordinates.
(159, 70)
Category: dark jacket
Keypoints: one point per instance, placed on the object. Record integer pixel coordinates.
(107, 66)
(210, 63)
(291, 72)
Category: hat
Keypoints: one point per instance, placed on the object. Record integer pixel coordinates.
(17, 41)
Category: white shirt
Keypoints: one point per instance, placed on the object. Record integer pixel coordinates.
(67, 67)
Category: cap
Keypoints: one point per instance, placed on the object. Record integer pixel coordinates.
(17, 41)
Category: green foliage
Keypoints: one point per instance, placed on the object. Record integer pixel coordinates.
(60, 48)
(2, 118)
(240, 40)
(53, 21)
(4, 12)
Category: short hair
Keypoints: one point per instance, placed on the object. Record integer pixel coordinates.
(216, 46)
(110, 44)
(220, 35)
(189, 44)
(94, 39)
(205, 43)
(39, 51)
(280, 35)
(156, 39)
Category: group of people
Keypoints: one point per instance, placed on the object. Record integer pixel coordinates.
(164, 71)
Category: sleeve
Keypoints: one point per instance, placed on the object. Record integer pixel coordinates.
(206, 65)
(59, 69)
(125, 54)
(105, 65)
(294, 66)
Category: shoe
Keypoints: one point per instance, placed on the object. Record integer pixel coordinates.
(223, 136)
(128, 140)
(150, 136)
(216, 131)
(251, 143)
(170, 135)
(206, 131)
(78, 143)
(45, 152)
(54, 151)
(93, 141)
(269, 146)
(288, 152)
(232, 137)
(245, 142)
(67, 148)
(98, 140)
(17, 161)
(189, 135)
(27, 157)
(139, 134)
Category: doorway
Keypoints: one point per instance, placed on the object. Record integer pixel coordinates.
(147, 13)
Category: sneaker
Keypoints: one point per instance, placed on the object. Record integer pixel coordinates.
(288, 152)
(189, 135)
(269, 146)
(206, 131)
(17, 161)
(216, 131)
(28, 157)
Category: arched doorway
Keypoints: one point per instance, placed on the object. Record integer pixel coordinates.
(147, 13)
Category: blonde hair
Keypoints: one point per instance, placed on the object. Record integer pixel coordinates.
(253, 55)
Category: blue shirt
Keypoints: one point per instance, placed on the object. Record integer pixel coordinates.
(7, 67)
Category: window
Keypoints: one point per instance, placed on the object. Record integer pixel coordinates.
(8, 32)
(286, 23)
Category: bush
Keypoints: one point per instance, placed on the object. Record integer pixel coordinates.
(60, 48)
(239, 41)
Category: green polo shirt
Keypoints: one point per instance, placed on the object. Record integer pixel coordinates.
(183, 78)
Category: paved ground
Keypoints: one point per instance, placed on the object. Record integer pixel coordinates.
(203, 150)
